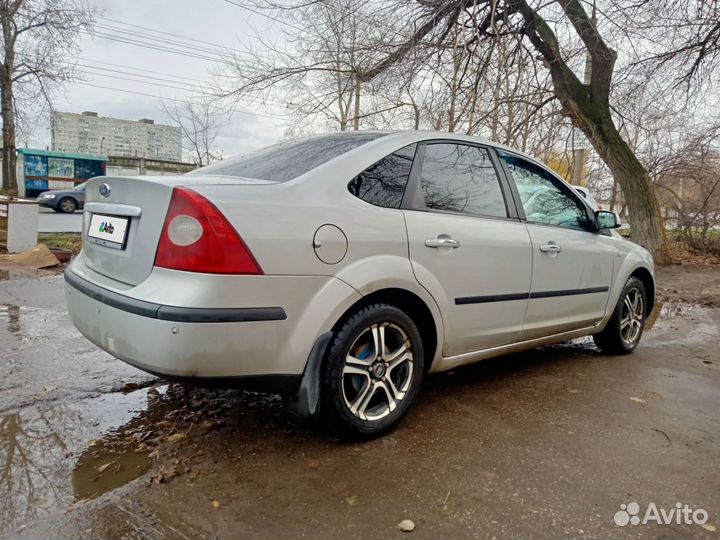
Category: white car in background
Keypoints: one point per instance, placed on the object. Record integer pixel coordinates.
(585, 192)
(340, 269)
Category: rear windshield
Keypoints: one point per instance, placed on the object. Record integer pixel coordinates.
(287, 160)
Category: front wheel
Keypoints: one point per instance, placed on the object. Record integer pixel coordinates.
(373, 371)
(67, 205)
(623, 331)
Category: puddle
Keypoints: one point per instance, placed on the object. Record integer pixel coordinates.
(11, 314)
(32, 322)
(54, 454)
(102, 468)
(20, 272)
(665, 311)
(674, 323)
(97, 475)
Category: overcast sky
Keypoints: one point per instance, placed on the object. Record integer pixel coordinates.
(204, 26)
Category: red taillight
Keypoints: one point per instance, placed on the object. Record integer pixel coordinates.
(196, 237)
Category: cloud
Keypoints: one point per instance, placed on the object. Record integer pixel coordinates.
(203, 27)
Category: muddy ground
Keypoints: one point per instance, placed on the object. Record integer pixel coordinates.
(542, 444)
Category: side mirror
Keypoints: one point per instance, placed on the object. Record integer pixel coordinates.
(606, 220)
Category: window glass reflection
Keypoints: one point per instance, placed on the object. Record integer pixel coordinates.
(461, 178)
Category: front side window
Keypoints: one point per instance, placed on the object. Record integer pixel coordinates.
(383, 183)
(461, 178)
(543, 197)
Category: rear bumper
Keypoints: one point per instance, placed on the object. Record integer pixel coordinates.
(172, 313)
(264, 346)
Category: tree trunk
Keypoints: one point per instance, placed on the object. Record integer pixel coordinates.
(7, 105)
(643, 207)
(588, 108)
(9, 158)
(588, 105)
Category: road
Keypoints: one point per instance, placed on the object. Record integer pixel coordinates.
(543, 444)
(50, 221)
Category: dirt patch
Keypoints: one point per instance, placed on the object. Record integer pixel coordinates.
(690, 284)
(681, 253)
(544, 444)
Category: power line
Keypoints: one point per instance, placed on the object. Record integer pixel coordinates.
(272, 116)
(85, 83)
(140, 78)
(92, 61)
(215, 45)
(324, 4)
(270, 17)
(163, 45)
(151, 45)
(171, 42)
(189, 86)
(151, 83)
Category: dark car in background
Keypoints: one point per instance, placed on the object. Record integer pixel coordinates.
(65, 201)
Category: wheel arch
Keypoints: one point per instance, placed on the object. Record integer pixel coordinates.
(414, 306)
(644, 275)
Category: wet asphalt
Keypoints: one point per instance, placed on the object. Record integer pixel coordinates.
(542, 444)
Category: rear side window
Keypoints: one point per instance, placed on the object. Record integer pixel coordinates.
(383, 184)
(461, 178)
(287, 160)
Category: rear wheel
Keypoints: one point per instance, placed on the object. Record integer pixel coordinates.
(67, 205)
(373, 372)
(623, 331)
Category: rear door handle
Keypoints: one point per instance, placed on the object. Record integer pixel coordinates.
(442, 242)
(550, 247)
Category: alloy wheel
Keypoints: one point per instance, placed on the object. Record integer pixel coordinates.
(378, 371)
(633, 314)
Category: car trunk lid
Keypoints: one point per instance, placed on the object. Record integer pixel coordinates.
(134, 207)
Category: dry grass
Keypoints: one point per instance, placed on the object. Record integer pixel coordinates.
(681, 253)
(71, 241)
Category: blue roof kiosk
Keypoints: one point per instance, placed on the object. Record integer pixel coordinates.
(43, 170)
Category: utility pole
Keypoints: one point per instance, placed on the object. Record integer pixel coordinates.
(580, 150)
(356, 118)
(580, 147)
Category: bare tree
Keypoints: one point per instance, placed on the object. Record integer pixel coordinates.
(33, 458)
(318, 72)
(587, 105)
(506, 69)
(38, 39)
(683, 38)
(688, 175)
(200, 122)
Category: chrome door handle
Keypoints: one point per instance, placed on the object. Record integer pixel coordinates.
(550, 247)
(442, 243)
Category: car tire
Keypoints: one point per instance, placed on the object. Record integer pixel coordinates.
(625, 327)
(66, 205)
(365, 394)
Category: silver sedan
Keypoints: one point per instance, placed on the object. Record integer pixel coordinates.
(340, 269)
